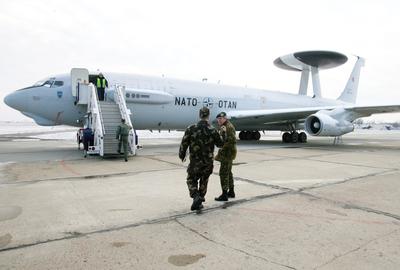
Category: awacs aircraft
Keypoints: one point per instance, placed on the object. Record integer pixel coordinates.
(158, 103)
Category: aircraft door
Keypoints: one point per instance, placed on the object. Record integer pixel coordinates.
(78, 75)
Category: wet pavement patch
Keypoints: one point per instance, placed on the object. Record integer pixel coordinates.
(185, 259)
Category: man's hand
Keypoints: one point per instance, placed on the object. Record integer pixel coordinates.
(223, 128)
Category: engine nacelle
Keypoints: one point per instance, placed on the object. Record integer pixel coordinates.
(321, 124)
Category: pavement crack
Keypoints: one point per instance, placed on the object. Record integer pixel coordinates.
(352, 206)
(232, 248)
(85, 177)
(164, 161)
(148, 222)
(261, 184)
(336, 257)
(347, 180)
(347, 164)
(370, 210)
(196, 232)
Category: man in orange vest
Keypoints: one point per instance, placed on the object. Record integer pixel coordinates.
(101, 84)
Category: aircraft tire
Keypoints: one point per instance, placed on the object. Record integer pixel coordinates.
(286, 137)
(245, 135)
(256, 135)
(248, 135)
(302, 137)
(241, 135)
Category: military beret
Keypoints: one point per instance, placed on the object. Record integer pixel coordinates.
(204, 112)
(221, 114)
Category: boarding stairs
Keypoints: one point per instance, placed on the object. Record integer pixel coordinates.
(103, 117)
(111, 116)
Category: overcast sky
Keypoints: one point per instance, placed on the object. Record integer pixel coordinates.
(231, 41)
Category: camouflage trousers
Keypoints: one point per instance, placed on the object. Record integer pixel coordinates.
(225, 174)
(123, 142)
(197, 178)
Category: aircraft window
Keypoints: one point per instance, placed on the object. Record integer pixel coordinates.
(128, 95)
(57, 84)
(48, 83)
(45, 82)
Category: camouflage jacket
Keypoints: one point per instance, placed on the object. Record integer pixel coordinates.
(123, 130)
(200, 139)
(228, 150)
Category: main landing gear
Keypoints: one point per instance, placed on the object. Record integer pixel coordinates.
(249, 135)
(294, 137)
(287, 137)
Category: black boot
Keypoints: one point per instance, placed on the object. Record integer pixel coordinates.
(231, 193)
(196, 203)
(223, 197)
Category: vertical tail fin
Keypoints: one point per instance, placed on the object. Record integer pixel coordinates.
(349, 93)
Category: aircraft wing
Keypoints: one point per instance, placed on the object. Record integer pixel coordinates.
(364, 111)
(279, 116)
(260, 117)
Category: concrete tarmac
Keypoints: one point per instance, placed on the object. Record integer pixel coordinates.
(298, 206)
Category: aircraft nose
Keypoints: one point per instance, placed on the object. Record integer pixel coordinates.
(14, 101)
(8, 100)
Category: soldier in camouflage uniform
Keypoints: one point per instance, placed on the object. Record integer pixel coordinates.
(200, 138)
(122, 135)
(226, 155)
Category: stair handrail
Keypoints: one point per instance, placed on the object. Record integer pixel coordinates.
(97, 118)
(119, 98)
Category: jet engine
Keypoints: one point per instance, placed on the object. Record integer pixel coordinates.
(322, 124)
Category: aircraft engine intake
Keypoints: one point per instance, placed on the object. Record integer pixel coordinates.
(321, 124)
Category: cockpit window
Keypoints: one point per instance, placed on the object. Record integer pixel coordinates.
(50, 82)
(46, 82)
(57, 84)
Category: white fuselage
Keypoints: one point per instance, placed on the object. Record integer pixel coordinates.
(187, 97)
(172, 104)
